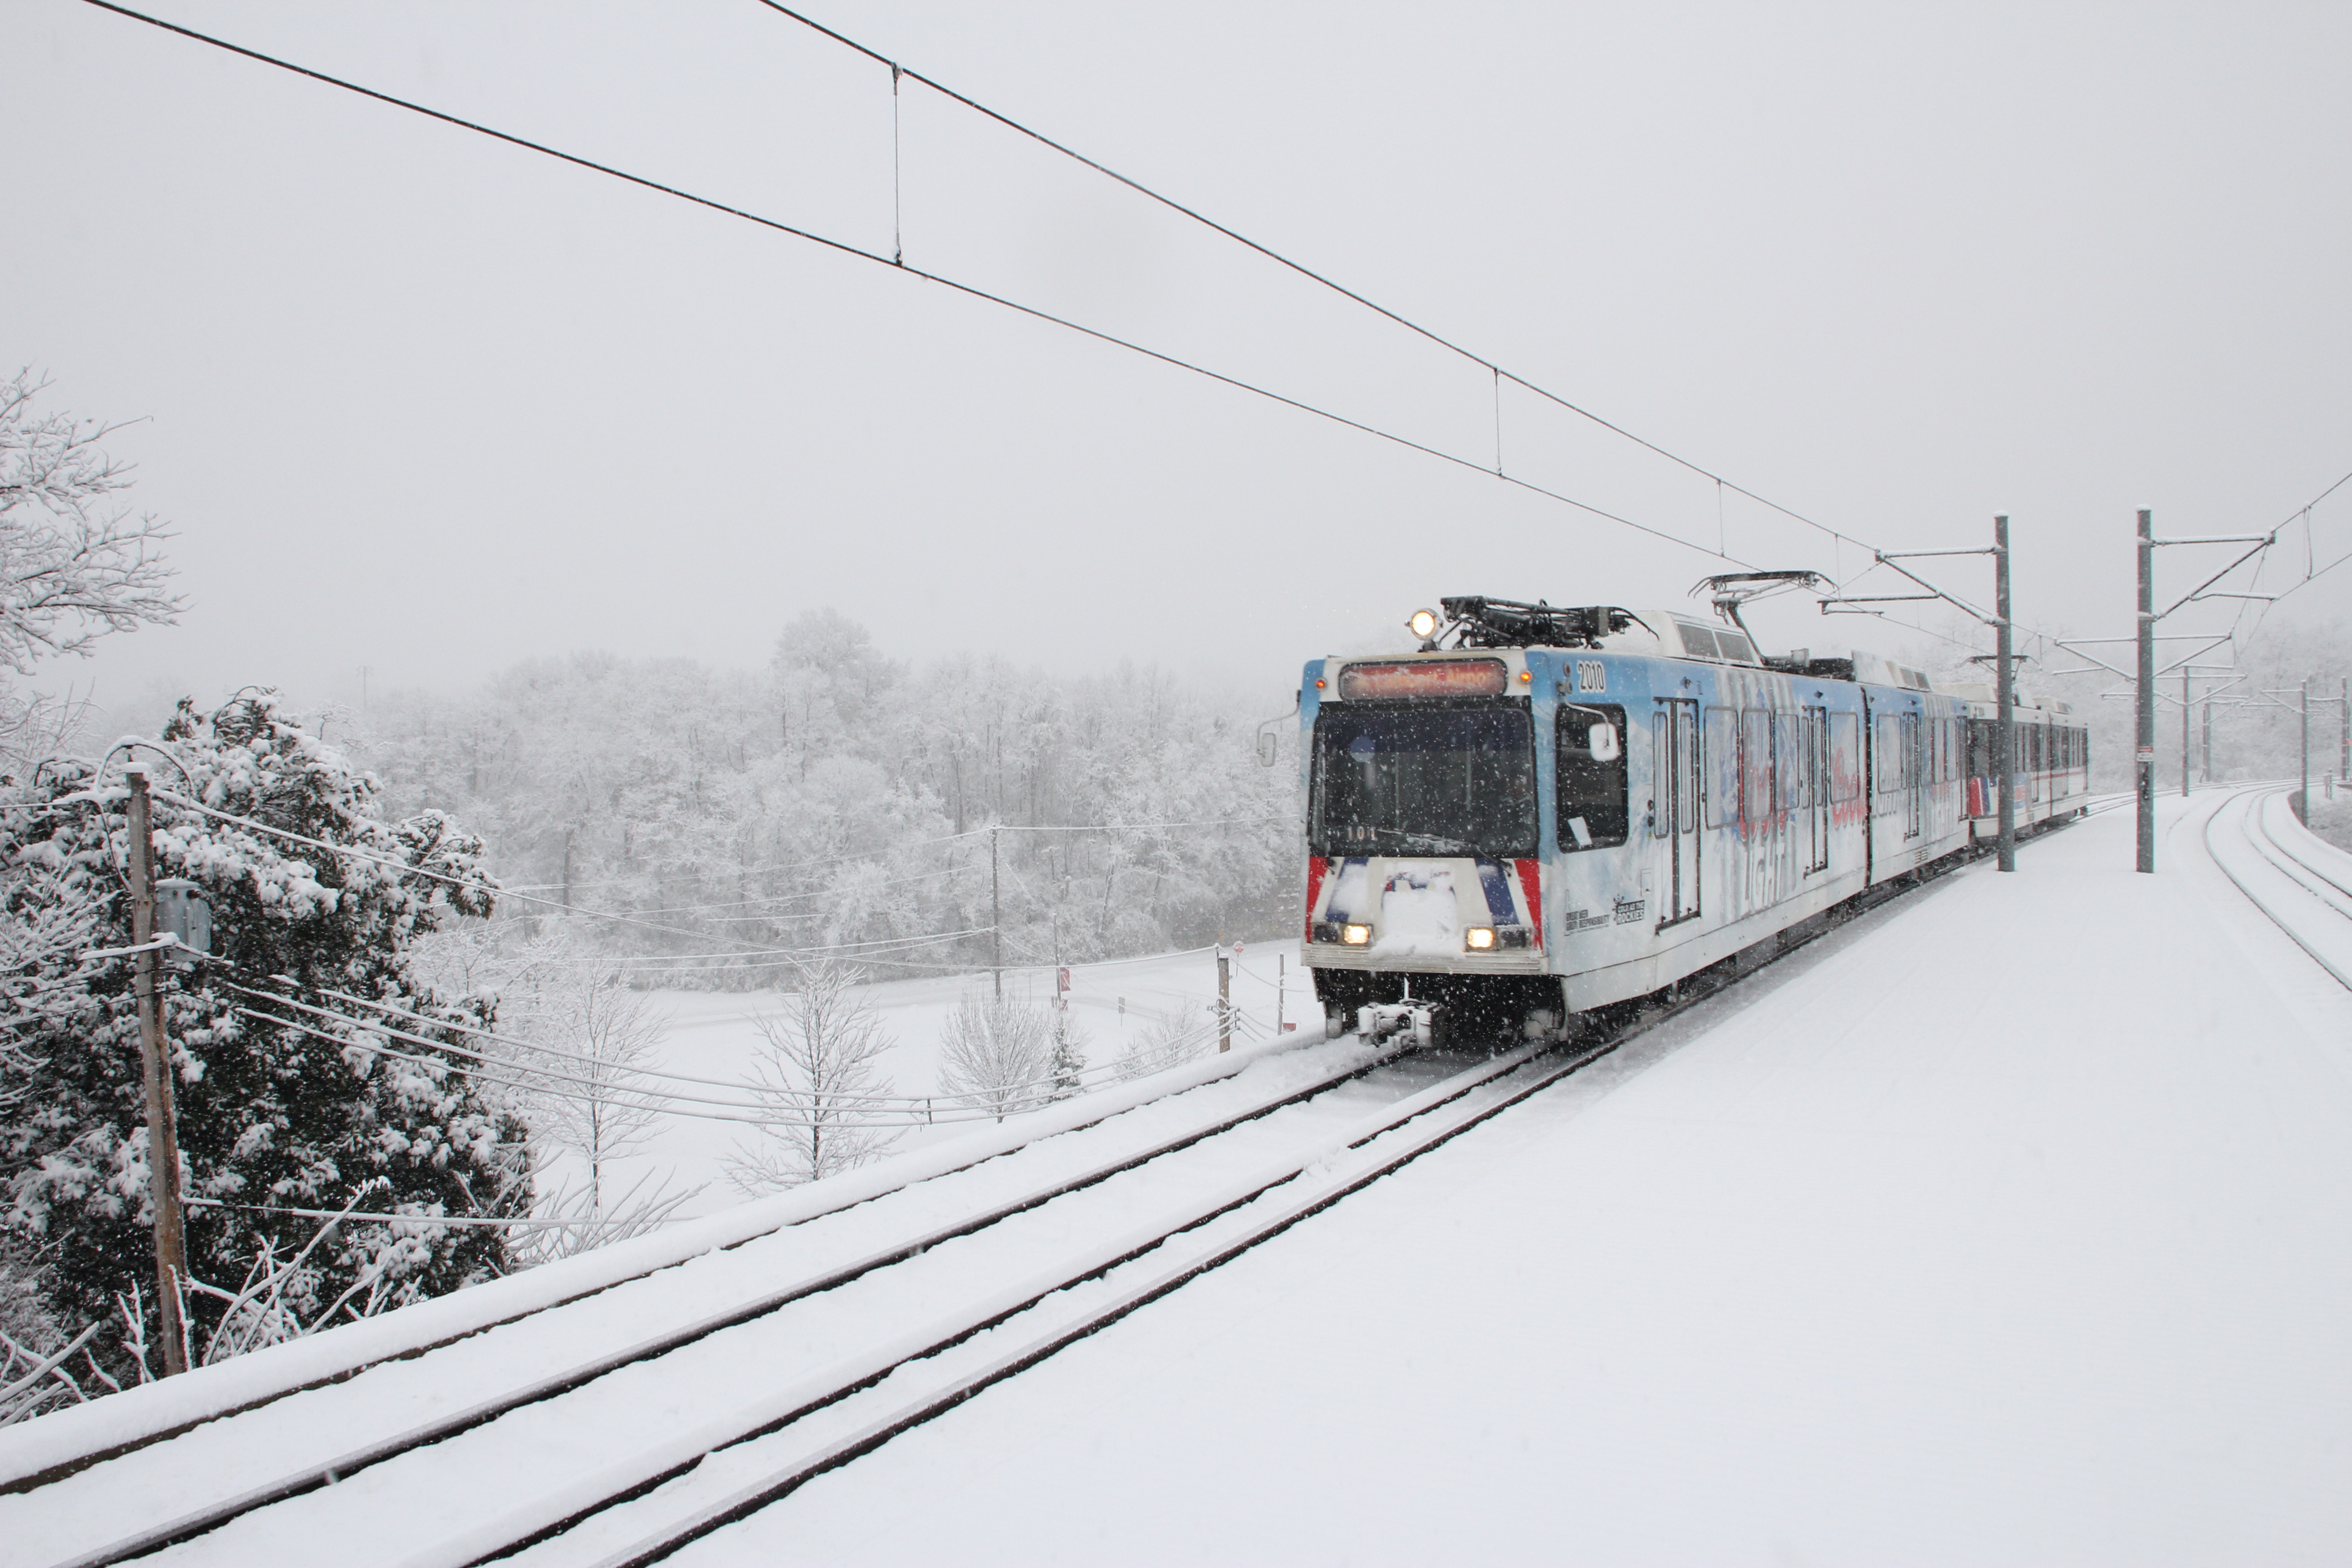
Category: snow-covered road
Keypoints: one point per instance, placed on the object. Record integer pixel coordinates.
(2014, 1223)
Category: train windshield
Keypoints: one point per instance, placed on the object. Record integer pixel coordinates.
(1424, 780)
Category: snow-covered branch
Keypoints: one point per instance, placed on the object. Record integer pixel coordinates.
(72, 568)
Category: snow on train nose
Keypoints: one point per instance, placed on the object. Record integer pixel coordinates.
(1427, 908)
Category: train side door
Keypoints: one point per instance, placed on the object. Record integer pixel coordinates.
(1912, 783)
(1674, 782)
(1814, 786)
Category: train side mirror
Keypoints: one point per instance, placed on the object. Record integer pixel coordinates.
(1267, 747)
(1603, 743)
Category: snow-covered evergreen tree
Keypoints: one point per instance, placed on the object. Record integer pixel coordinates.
(1069, 1061)
(277, 1109)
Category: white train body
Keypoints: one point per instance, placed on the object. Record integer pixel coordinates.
(1538, 830)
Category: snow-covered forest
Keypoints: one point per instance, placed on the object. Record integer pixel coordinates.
(841, 802)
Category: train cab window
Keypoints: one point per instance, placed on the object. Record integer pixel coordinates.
(1424, 779)
(1735, 647)
(1593, 811)
(1699, 641)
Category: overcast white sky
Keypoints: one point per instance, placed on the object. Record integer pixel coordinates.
(427, 404)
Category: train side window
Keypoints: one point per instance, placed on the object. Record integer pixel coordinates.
(1721, 757)
(1755, 764)
(1592, 788)
(1659, 781)
(1845, 756)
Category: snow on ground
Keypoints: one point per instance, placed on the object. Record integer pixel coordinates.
(2009, 1224)
(712, 1035)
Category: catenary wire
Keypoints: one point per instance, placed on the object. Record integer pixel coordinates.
(950, 283)
(1497, 371)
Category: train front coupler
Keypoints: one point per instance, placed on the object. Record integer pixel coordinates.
(1422, 1022)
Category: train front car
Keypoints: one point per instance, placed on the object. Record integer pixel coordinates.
(1440, 786)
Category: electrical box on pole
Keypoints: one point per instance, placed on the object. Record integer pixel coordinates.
(182, 914)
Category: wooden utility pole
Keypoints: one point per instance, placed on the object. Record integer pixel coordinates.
(154, 1059)
(2144, 757)
(1224, 1000)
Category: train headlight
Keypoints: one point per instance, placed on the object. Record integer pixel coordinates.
(1355, 936)
(1478, 939)
(1424, 624)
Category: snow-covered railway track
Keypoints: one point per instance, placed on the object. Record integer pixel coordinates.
(621, 1457)
(574, 1445)
(2301, 884)
(110, 1474)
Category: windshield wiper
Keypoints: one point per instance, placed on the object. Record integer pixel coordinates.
(1427, 843)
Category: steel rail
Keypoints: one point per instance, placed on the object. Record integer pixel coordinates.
(1313, 1199)
(2214, 854)
(2305, 862)
(344, 1466)
(1697, 989)
(611, 1490)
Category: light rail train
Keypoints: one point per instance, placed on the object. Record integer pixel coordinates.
(1547, 810)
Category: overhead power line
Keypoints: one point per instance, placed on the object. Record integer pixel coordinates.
(897, 264)
(1492, 367)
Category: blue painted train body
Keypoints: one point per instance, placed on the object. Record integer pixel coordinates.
(1535, 831)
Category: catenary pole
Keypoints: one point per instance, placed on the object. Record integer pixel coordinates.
(995, 919)
(2344, 747)
(2303, 801)
(2144, 760)
(2208, 740)
(2184, 732)
(154, 1060)
(2004, 746)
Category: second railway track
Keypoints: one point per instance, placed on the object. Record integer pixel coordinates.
(2301, 884)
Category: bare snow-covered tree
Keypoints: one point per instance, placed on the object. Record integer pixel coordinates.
(997, 1053)
(814, 1077)
(72, 567)
(597, 1100)
(1167, 1039)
